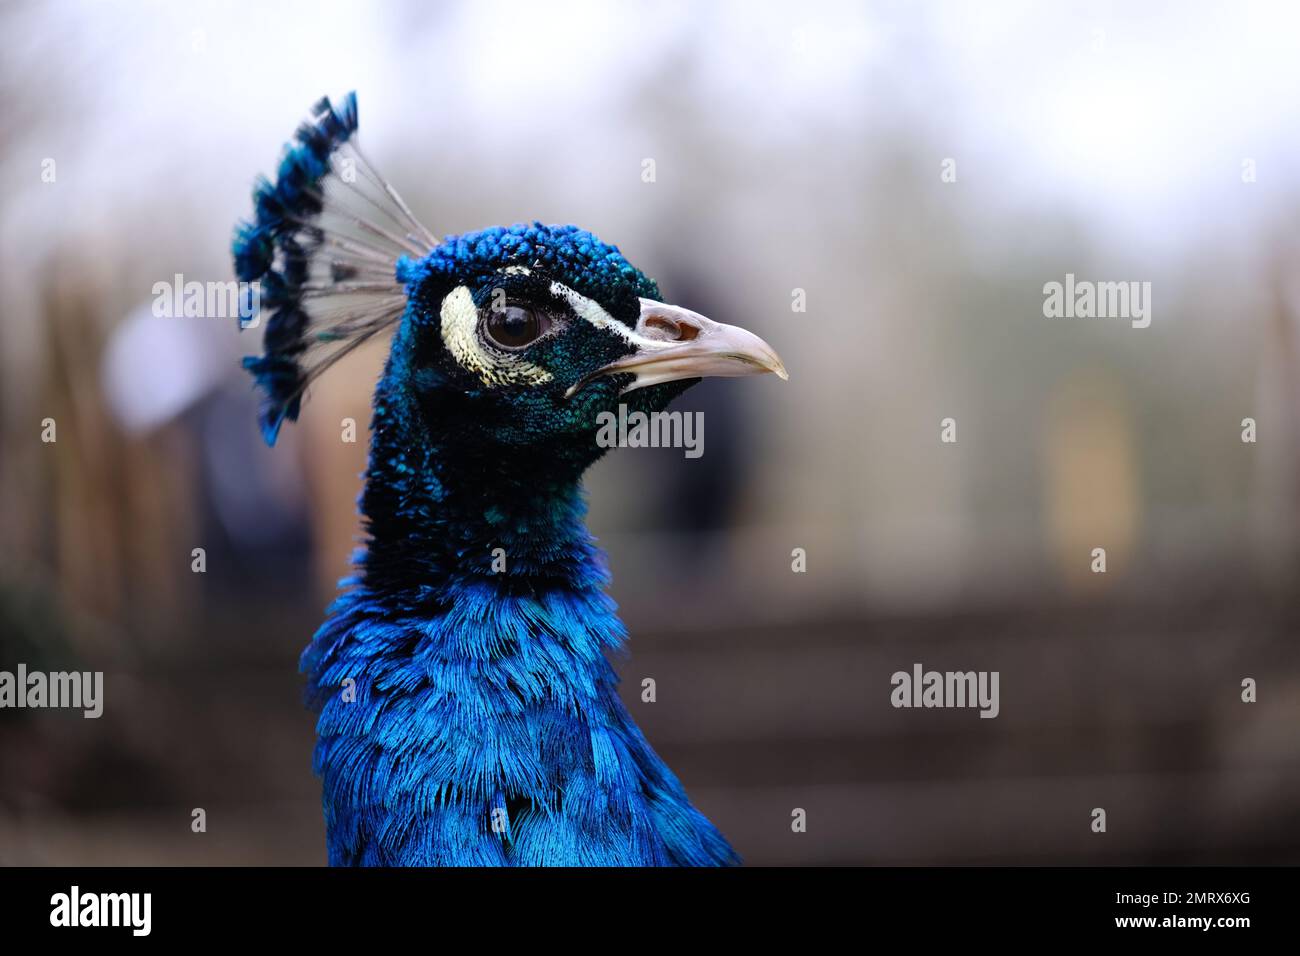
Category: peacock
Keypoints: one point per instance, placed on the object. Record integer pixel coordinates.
(468, 712)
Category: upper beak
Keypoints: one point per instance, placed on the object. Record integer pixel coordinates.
(675, 343)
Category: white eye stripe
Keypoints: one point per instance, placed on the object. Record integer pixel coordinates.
(459, 330)
(591, 311)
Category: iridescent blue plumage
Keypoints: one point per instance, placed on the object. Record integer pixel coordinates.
(468, 711)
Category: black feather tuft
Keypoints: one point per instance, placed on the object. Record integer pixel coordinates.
(303, 240)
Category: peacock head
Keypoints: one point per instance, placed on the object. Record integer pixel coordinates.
(512, 339)
(526, 334)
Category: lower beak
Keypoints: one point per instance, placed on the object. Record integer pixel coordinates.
(675, 343)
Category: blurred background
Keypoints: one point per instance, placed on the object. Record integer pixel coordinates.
(797, 147)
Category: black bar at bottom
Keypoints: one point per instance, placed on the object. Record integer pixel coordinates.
(333, 907)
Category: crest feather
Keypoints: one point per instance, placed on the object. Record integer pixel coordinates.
(324, 246)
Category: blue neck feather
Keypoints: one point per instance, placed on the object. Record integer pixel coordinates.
(468, 713)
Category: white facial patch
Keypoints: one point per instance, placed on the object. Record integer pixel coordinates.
(460, 335)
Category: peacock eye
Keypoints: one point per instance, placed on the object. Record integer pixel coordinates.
(515, 326)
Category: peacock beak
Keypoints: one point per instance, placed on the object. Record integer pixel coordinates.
(675, 343)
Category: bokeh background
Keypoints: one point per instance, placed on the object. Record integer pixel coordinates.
(797, 146)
